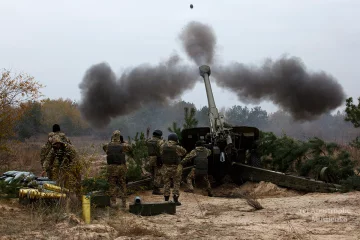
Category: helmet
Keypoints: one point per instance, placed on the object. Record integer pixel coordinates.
(157, 133)
(173, 137)
(116, 136)
(56, 128)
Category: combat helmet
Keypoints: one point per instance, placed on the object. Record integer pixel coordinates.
(116, 136)
(157, 133)
(173, 137)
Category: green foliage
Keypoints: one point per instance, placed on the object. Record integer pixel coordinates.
(137, 154)
(94, 184)
(306, 158)
(190, 120)
(10, 190)
(355, 143)
(352, 112)
(351, 183)
(238, 115)
(176, 130)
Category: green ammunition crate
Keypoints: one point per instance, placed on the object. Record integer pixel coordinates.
(99, 199)
(151, 209)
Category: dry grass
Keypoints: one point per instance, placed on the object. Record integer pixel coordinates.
(131, 229)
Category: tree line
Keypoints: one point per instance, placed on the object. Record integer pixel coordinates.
(23, 115)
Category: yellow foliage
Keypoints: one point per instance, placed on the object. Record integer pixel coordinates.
(15, 90)
(54, 111)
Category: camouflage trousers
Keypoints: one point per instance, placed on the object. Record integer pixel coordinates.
(172, 172)
(117, 183)
(156, 172)
(68, 177)
(192, 176)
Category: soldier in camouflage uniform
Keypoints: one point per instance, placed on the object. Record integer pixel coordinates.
(116, 169)
(64, 164)
(171, 154)
(45, 149)
(200, 170)
(154, 159)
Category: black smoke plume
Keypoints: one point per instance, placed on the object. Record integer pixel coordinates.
(105, 97)
(286, 83)
(199, 41)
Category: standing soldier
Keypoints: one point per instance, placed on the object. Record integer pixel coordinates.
(171, 154)
(45, 149)
(64, 164)
(155, 161)
(200, 155)
(116, 169)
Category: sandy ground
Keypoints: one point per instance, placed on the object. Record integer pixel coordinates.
(286, 215)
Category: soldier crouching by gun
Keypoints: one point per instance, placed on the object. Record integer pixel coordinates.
(153, 145)
(116, 169)
(171, 154)
(200, 170)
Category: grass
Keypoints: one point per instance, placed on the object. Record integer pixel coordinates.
(131, 229)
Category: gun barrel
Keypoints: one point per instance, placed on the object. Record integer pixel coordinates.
(214, 116)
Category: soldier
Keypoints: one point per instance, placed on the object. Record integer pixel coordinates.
(154, 159)
(200, 155)
(63, 162)
(45, 149)
(116, 170)
(171, 154)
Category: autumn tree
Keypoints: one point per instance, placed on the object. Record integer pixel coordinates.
(30, 122)
(15, 90)
(66, 113)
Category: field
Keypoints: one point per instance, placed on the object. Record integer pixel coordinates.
(286, 214)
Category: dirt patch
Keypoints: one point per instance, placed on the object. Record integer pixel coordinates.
(309, 216)
(256, 190)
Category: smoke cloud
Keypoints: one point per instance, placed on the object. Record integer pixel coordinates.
(199, 42)
(105, 97)
(286, 83)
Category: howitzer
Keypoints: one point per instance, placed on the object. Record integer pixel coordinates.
(234, 150)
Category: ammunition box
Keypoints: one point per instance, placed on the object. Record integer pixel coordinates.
(99, 199)
(151, 209)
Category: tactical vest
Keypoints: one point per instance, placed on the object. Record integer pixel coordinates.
(115, 154)
(152, 146)
(201, 162)
(169, 155)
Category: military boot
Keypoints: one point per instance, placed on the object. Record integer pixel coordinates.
(166, 198)
(176, 200)
(156, 191)
(210, 193)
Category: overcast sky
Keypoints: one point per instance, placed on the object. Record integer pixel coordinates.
(57, 41)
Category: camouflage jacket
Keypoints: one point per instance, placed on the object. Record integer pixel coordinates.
(64, 156)
(193, 154)
(159, 142)
(45, 149)
(179, 149)
(116, 138)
